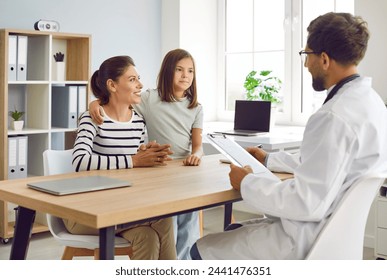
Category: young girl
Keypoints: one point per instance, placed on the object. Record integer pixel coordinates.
(174, 116)
(115, 144)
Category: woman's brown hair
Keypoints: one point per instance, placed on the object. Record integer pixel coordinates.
(111, 68)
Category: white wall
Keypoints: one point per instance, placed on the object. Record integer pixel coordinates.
(117, 27)
(373, 65)
(144, 29)
(192, 25)
(375, 61)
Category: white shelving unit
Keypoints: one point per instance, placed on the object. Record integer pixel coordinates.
(33, 96)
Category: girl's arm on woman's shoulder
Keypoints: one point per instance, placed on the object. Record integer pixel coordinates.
(95, 112)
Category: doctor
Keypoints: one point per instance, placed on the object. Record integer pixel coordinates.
(343, 141)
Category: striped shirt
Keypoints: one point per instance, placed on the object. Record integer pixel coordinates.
(109, 145)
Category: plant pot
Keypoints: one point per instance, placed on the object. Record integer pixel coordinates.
(59, 71)
(17, 125)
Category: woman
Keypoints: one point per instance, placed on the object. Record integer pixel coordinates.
(118, 143)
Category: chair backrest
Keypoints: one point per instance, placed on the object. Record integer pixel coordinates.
(55, 225)
(342, 237)
(57, 162)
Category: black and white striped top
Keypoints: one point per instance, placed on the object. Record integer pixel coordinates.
(109, 145)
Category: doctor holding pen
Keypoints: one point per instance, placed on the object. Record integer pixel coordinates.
(343, 141)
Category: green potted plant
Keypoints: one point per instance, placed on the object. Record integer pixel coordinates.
(263, 87)
(17, 123)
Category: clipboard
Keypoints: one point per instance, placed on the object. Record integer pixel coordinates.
(237, 154)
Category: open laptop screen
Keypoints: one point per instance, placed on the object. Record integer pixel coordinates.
(252, 115)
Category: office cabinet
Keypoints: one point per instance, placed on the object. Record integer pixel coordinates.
(381, 224)
(28, 74)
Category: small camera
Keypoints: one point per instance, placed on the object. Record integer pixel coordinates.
(47, 25)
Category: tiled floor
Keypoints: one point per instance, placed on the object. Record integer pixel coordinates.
(44, 247)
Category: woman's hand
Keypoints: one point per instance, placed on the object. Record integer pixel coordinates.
(237, 174)
(152, 154)
(95, 112)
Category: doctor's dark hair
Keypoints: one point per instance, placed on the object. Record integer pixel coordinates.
(167, 74)
(112, 68)
(342, 36)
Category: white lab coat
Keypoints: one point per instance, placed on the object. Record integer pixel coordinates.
(344, 140)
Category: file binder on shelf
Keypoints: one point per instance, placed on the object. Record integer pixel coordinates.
(82, 106)
(17, 157)
(12, 57)
(21, 72)
(64, 106)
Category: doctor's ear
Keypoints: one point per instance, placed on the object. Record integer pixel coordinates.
(325, 59)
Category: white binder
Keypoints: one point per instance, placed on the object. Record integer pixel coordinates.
(12, 57)
(82, 106)
(17, 157)
(22, 42)
(73, 106)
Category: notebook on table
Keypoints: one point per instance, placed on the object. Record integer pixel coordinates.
(237, 154)
(251, 118)
(78, 185)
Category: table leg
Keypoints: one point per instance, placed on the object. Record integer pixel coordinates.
(106, 243)
(227, 215)
(23, 229)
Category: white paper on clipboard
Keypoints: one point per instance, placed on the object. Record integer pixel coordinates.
(236, 153)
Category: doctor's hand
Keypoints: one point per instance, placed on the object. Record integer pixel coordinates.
(96, 112)
(237, 174)
(258, 153)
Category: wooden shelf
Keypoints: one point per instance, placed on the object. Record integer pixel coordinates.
(34, 95)
(37, 228)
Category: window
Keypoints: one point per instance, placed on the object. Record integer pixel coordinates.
(267, 35)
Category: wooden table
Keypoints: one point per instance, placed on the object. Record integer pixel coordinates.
(156, 192)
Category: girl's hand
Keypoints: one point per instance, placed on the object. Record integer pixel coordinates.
(192, 160)
(95, 112)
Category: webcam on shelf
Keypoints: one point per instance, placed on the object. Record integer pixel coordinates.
(47, 25)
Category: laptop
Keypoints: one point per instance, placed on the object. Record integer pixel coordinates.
(251, 118)
(78, 185)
